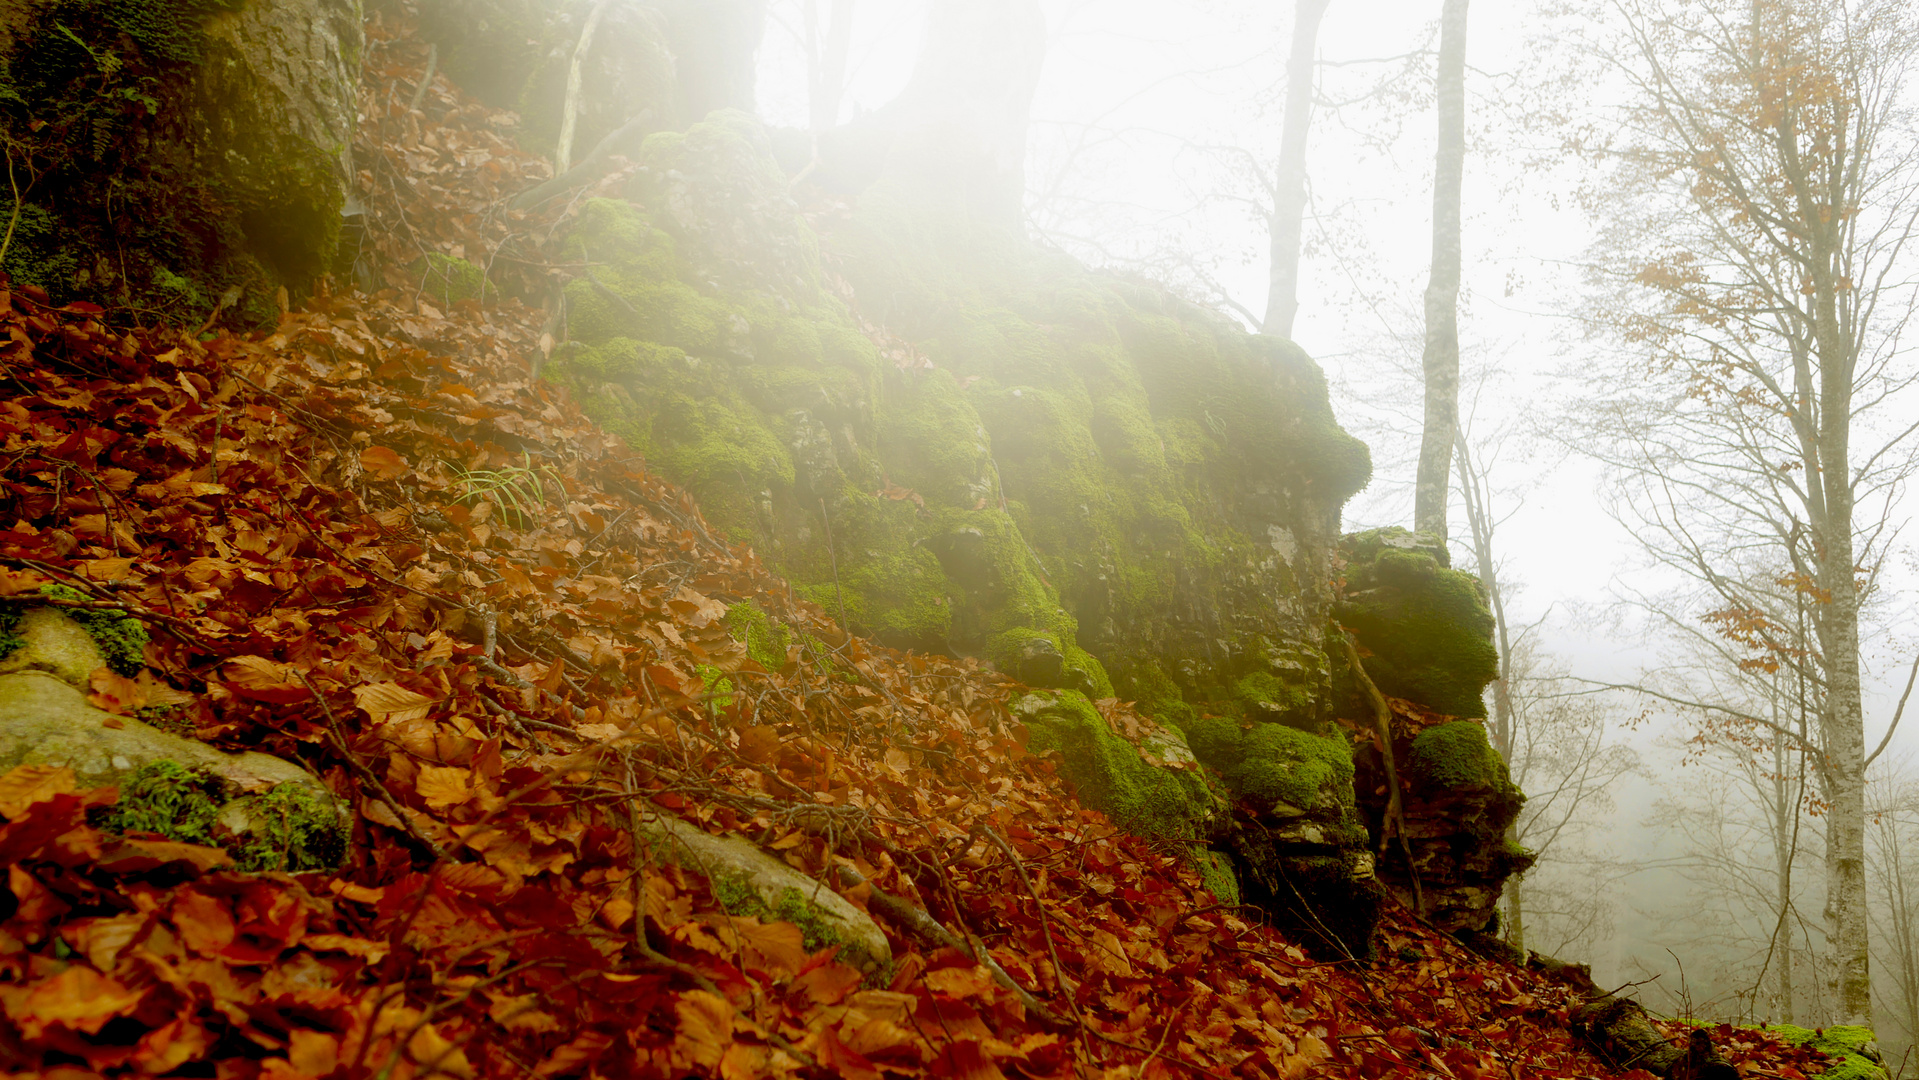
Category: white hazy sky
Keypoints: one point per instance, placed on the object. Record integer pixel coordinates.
(1151, 124)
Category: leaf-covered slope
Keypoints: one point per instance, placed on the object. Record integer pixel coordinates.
(369, 543)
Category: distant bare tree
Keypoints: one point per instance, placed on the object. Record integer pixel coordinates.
(1289, 186)
(1441, 358)
(1769, 180)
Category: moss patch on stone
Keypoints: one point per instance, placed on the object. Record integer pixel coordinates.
(290, 827)
(293, 828)
(1457, 755)
(122, 639)
(1852, 1047)
(1273, 763)
(1428, 626)
(1110, 775)
(169, 799)
(819, 930)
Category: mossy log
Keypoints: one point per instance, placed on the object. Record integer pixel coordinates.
(1620, 1032)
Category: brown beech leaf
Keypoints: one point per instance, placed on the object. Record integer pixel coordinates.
(115, 693)
(389, 702)
(382, 463)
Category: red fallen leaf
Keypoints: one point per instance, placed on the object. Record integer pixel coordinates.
(965, 1059)
(382, 463)
(842, 1060)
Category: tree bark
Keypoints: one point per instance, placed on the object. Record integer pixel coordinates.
(1441, 359)
(826, 61)
(1289, 186)
(963, 118)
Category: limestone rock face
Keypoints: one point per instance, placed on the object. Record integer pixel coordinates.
(751, 882)
(1459, 807)
(1295, 835)
(999, 446)
(276, 103)
(197, 147)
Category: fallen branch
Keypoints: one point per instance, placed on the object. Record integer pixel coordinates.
(927, 928)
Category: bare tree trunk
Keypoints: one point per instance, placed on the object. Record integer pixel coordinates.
(1441, 361)
(1785, 808)
(826, 61)
(960, 125)
(1289, 186)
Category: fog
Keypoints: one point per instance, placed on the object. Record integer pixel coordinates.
(1151, 152)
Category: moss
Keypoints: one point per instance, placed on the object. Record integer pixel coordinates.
(294, 828)
(718, 688)
(170, 799)
(10, 638)
(121, 637)
(1111, 775)
(448, 280)
(1216, 873)
(1456, 755)
(1428, 627)
(819, 930)
(1852, 1047)
(766, 641)
(291, 827)
(1272, 763)
(1274, 700)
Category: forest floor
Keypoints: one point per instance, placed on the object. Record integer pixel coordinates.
(370, 542)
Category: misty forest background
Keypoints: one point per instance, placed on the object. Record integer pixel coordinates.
(1661, 684)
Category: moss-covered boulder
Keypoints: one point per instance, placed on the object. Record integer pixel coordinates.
(1152, 787)
(1427, 626)
(1852, 1047)
(179, 150)
(270, 814)
(1294, 832)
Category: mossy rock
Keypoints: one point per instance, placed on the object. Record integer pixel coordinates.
(1036, 659)
(1167, 796)
(70, 642)
(180, 150)
(267, 812)
(292, 827)
(1428, 627)
(1853, 1048)
(1277, 766)
(1457, 755)
(1000, 448)
(748, 881)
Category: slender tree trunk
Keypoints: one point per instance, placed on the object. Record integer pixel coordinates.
(826, 61)
(1783, 806)
(1441, 361)
(1289, 186)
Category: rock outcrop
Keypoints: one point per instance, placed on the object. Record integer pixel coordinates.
(268, 812)
(185, 155)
